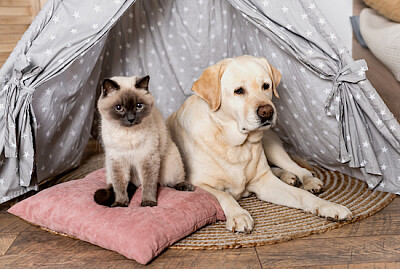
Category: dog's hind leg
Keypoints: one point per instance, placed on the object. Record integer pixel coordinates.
(286, 176)
(278, 156)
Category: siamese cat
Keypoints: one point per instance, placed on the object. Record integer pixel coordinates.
(138, 146)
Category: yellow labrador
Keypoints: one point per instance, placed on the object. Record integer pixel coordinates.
(222, 133)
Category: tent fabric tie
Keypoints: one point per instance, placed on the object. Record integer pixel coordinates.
(20, 120)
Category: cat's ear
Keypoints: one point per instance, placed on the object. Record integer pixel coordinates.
(143, 83)
(109, 86)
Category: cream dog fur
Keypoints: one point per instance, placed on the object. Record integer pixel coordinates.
(222, 133)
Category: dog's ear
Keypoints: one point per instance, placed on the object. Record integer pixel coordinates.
(276, 78)
(274, 74)
(208, 86)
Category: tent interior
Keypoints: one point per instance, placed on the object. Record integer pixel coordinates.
(173, 42)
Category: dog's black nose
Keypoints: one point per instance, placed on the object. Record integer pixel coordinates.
(265, 112)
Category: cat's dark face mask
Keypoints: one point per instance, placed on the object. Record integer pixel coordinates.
(130, 110)
(127, 106)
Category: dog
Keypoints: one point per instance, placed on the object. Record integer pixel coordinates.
(223, 132)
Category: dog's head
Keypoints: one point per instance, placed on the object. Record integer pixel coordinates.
(241, 89)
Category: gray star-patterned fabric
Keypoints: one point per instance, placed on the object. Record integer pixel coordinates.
(328, 112)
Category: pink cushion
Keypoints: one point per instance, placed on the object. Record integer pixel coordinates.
(139, 233)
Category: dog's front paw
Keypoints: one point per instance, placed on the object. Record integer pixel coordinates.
(290, 178)
(313, 185)
(334, 212)
(240, 222)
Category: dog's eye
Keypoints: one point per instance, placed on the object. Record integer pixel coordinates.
(119, 108)
(139, 105)
(239, 91)
(266, 86)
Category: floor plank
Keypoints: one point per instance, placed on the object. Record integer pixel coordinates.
(320, 251)
(5, 242)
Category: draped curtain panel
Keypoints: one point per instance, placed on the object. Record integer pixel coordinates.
(328, 112)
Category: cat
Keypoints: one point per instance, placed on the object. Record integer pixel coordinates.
(138, 147)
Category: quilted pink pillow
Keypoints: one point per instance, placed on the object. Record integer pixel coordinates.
(138, 233)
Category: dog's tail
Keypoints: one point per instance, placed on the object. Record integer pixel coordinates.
(300, 161)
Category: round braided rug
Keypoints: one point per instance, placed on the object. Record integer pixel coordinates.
(274, 223)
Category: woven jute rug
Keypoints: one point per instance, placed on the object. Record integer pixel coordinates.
(274, 223)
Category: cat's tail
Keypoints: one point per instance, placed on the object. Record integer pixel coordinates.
(106, 197)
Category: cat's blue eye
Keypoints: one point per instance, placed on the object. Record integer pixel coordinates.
(139, 105)
(119, 108)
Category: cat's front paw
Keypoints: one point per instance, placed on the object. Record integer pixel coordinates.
(120, 204)
(148, 203)
(184, 186)
(123, 202)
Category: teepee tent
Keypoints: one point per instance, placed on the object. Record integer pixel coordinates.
(328, 112)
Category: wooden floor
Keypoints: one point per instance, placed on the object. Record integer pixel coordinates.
(371, 243)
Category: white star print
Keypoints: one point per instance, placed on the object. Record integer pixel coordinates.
(304, 16)
(309, 33)
(266, 3)
(56, 19)
(74, 77)
(74, 31)
(273, 55)
(372, 96)
(76, 15)
(48, 52)
(47, 133)
(285, 9)
(392, 127)
(289, 27)
(2, 181)
(26, 155)
(358, 96)
(379, 122)
(97, 8)
(383, 112)
(310, 51)
(384, 149)
(95, 26)
(48, 91)
(302, 70)
(73, 133)
(61, 61)
(332, 36)
(398, 178)
(312, 6)
(383, 166)
(320, 65)
(365, 144)
(52, 37)
(1, 162)
(321, 21)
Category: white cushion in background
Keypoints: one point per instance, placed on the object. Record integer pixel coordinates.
(383, 38)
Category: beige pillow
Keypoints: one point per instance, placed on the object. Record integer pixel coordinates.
(383, 38)
(388, 8)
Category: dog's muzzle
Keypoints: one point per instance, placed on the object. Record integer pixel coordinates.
(266, 114)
